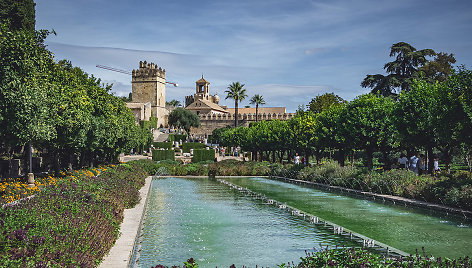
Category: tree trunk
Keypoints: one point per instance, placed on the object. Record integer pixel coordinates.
(430, 160)
(341, 157)
(273, 156)
(236, 113)
(369, 158)
(257, 108)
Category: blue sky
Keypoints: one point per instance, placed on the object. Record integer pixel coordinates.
(287, 51)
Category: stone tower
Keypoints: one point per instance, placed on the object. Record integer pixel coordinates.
(149, 85)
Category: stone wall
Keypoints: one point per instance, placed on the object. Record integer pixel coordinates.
(210, 122)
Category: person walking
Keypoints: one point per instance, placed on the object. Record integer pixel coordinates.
(402, 161)
(297, 159)
(413, 163)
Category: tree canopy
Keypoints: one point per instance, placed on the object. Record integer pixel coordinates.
(183, 118)
(401, 71)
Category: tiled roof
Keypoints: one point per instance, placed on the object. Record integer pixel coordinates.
(205, 105)
(261, 110)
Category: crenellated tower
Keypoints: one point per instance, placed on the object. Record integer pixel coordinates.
(149, 85)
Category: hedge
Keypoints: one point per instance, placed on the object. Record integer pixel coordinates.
(186, 146)
(165, 145)
(158, 155)
(203, 155)
(177, 137)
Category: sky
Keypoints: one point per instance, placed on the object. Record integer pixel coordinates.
(288, 51)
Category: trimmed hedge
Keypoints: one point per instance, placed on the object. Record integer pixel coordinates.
(186, 146)
(203, 155)
(165, 145)
(72, 224)
(158, 155)
(177, 137)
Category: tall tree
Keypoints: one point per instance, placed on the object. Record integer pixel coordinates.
(401, 71)
(324, 102)
(237, 92)
(173, 103)
(18, 14)
(183, 119)
(439, 68)
(257, 100)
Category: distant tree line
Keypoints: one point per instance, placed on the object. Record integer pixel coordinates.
(71, 118)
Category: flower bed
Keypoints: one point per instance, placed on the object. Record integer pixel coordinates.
(73, 223)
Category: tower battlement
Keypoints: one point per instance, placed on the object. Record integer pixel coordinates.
(148, 71)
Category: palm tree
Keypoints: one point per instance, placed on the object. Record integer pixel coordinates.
(257, 100)
(237, 92)
(173, 103)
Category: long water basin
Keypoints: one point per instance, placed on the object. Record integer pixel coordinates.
(218, 226)
(407, 229)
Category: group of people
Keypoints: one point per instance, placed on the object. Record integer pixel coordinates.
(417, 163)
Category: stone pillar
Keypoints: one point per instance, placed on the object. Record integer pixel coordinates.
(30, 179)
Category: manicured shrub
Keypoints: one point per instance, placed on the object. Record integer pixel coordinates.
(200, 155)
(177, 137)
(163, 145)
(186, 146)
(158, 155)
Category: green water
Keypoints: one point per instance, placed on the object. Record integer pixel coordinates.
(404, 228)
(219, 226)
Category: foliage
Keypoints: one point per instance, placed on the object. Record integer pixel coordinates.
(237, 92)
(72, 223)
(200, 155)
(183, 118)
(452, 190)
(186, 146)
(438, 69)
(257, 100)
(163, 145)
(401, 71)
(158, 155)
(356, 257)
(177, 137)
(173, 103)
(323, 102)
(19, 15)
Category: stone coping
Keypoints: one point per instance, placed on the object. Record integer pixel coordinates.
(120, 254)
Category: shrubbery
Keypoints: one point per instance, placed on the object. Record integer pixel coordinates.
(186, 146)
(452, 190)
(73, 223)
(200, 155)
(164, 145)
(158, 155)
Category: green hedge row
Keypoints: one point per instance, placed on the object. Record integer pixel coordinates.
(203, 155)
(72, 224)
(177, 137)
(186, 146)
(158, 155)
(165, 145)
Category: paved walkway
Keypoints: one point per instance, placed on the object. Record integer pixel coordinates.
(120, 253)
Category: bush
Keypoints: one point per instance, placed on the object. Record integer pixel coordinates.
(200, 155)
(186, 146)
(163, 145)
(177, 137)
(355, 257)
(158, 155)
